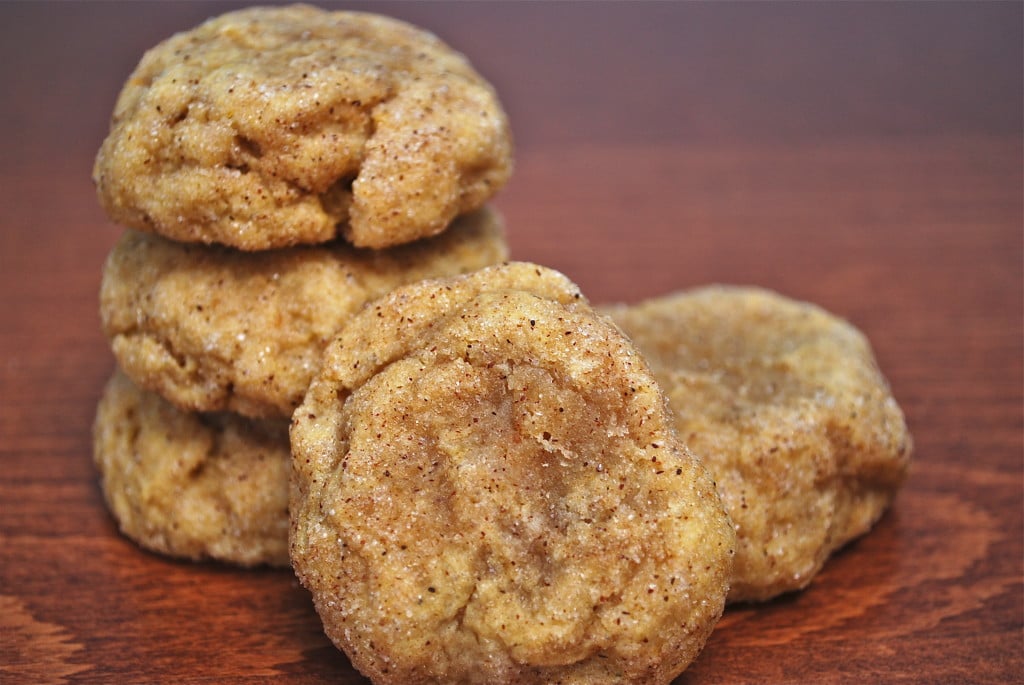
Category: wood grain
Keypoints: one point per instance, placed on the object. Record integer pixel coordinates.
(867, 157)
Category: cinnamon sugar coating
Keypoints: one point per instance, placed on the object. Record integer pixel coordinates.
(487, 489)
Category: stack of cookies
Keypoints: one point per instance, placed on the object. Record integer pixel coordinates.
(484, 477)
(276, 170)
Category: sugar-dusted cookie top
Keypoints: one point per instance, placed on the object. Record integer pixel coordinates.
(198, 486)
(786, 406)
(487, 489)
(269, 127)
(213, 329)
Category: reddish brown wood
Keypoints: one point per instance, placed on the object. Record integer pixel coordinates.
(863, 156)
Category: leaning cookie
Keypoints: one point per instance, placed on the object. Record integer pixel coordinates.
(275, 126)
(487, 488)
(190, 485)
(787, 407)
(214, 329)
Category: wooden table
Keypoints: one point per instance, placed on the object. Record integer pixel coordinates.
(867, 157)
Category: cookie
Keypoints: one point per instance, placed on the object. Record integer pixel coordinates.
(487, 489)
(788, 409)
(215, 329)
(191, 485)
(275, 126)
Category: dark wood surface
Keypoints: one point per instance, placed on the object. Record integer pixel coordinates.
(867, 157)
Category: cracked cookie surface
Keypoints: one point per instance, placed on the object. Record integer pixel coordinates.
(214, 329)
(487, 489)
(191, 485)
(785, 404)
(268, 127)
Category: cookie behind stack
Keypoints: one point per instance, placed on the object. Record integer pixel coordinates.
(786, 405)
(277, 168)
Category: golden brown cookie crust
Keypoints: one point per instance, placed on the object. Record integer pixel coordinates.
(487, 488)
(276, 126)
(190, 485)
(788, 409)
(214, 329)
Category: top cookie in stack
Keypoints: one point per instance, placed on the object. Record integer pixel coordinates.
(271, 127)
